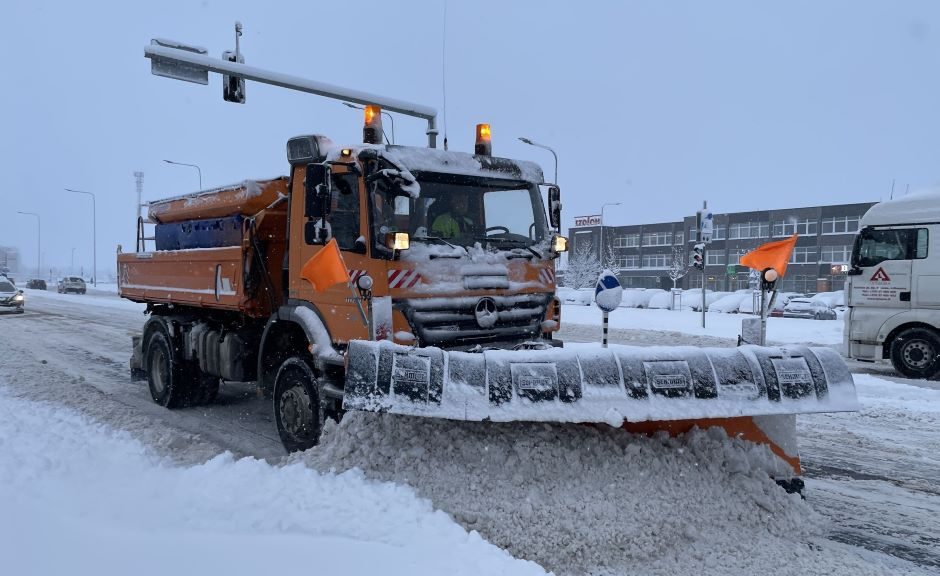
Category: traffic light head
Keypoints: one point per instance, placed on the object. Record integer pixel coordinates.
(698, 256)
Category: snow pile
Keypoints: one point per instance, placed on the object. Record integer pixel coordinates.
(109, 505)
(592, 499)
(729, 303)
(638, 297)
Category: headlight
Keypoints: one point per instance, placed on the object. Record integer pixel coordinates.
(18, 298)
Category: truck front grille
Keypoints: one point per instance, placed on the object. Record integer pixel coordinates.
(448, 322)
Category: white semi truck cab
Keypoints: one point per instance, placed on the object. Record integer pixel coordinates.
(893, 290)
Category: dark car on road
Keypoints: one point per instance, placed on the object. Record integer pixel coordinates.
(36, 284)
(11, 299)
(71, 284)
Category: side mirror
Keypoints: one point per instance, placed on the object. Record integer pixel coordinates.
(317, 191)
(554, 206)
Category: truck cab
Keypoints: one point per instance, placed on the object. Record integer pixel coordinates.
(893, 290)
(458, 247)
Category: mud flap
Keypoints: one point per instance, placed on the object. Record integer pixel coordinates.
(624, 384)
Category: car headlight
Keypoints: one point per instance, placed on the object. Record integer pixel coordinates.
(18, 298)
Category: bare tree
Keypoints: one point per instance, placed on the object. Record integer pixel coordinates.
(583, 267)
(679, 266)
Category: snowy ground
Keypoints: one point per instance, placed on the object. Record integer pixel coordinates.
(86, 457)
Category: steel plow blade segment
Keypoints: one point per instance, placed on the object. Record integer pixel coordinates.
(624, 384)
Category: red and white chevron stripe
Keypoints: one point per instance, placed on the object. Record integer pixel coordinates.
(403, 278)
(547, 276)
(355, 274)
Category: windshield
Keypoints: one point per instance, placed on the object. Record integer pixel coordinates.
(6, 286)
(875, 246)
(462, 211)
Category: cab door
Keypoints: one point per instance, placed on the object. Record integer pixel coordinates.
(337, 306)
(882, 264)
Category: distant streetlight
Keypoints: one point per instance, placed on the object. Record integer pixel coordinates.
(384, 113)
(603, 226)
(198, 169)
(537, 145)
(94, 234)
(38, 241)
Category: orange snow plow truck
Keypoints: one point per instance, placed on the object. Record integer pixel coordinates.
(444, 306)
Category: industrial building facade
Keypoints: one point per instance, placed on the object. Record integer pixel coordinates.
(644, 253)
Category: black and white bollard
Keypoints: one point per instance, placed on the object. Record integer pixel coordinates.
(607, 296)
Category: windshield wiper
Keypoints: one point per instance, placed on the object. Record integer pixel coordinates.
(442, 241)
(511, 242)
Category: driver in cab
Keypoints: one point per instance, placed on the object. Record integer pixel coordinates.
(453, 223)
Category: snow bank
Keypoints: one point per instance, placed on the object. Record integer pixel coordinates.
(108, 505)
(729, 303)
(592, 499)
(638, 297)
(779, 330)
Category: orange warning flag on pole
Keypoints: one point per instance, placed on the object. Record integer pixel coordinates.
(770, 255)
(325, 268)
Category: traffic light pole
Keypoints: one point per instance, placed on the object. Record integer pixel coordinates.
(704, 249)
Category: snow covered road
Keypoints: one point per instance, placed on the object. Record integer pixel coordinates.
(871, 476)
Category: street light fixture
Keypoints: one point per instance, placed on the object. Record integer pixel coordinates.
(38, 241)
(537, 145)
(198, 169)
(94, 234)
(604, 227)
(391, 119)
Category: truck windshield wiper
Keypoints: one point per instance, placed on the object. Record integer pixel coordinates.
(442, 241)
(510, 242)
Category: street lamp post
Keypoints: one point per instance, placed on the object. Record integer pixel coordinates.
(38, 241)
(94, 234)
(604, 227)
(537, 145)
(198, 169)
(391, 119)
(72, 264)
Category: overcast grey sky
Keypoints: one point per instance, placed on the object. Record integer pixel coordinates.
(654, 104)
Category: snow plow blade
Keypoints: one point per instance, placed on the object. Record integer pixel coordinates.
(623, 384)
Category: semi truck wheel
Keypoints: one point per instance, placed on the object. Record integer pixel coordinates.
(165, 374)
(915, 353)
(297, 409)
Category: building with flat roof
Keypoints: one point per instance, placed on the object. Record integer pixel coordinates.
(644, 253)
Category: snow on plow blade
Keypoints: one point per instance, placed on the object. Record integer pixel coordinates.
(632, 384)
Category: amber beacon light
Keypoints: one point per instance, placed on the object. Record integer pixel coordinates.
(372, 129)
(484, 145)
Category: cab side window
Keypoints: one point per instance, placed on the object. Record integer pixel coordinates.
(876, 246)
(344, 217)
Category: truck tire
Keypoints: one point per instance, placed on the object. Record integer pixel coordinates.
(297, 408)
(915, 353)
(166, 374)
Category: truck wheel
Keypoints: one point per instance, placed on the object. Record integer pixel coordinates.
(165, 373)
(297, 408)
(915, 353)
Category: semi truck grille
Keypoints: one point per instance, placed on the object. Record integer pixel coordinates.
(449, 322)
